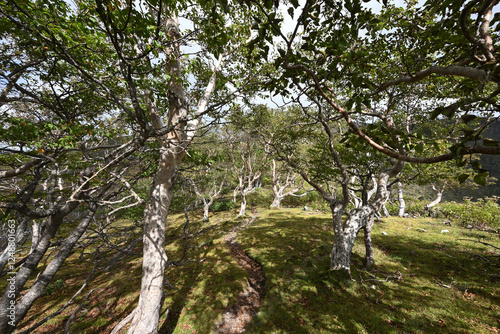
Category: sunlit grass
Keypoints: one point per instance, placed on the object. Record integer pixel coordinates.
(445, 286)
(303, 296)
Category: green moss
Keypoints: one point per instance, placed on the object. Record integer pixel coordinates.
(444, 285)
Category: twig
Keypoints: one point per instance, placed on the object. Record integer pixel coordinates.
(41, 322)
(68, 323)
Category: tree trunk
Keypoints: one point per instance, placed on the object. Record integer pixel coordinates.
(147, 313)
(439, 196)
(385, 211)
(36, 231)
(235, 194)
(29, 266)
(243, 204)
(38, 288)
(20, 239)
(370, 261)
(402, 203)
(276, 201)
(206, 208)
(345, 236)
(173, 148)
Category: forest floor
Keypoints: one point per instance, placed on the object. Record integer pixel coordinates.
(426, 280)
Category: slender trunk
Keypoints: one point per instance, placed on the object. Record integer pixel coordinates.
(370, 261)
(38, 288)
(206, 207)
(243, 204)
(147, 313)
(385, 211)
(235, 194)
(20, 239)
(205, 213)
(439, 196)
(402, 203)
(36, 231)
(23, 274)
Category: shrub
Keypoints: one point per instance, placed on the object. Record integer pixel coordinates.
(222, 205)
(482, 213)
(54, 287)
(413, 208)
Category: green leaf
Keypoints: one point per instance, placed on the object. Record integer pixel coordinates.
(463, 177)
(475, 164)
(481, 178)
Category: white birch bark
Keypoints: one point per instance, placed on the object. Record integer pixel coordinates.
(401, 200)
(173, 147)
(439, 197)
(279, 189)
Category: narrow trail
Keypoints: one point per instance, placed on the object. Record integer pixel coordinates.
(237, 316)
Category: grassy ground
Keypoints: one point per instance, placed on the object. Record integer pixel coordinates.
(444, 286)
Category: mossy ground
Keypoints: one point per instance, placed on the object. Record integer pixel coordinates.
(445, 285)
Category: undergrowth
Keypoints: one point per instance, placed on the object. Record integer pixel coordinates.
(425, 281)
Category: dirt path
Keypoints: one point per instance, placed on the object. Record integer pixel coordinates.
(237, 316)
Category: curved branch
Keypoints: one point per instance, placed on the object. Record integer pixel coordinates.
(454, 70)
(19, 170)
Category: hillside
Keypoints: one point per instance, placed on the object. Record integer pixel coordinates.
(425, 281)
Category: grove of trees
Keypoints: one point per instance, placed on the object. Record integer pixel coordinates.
(106, 106)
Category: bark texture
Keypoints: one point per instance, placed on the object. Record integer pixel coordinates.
(173, 147)
(31, 263)
(401, 200)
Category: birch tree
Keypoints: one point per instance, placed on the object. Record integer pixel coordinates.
(247, 165)
(359, 65)
(285, 183)
(94, 73)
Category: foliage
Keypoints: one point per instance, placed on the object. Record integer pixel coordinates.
(482, 213)
(222, 205)
(56, 286)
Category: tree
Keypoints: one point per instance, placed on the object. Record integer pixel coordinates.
(58, 157)
(77, 67)
(207, 170)
(412, 53)
(284, 183)
(247, 161)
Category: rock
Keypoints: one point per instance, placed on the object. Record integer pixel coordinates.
(469, 227)
(384, 233)
(306, 208)
(445, 231)
(421, 230)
